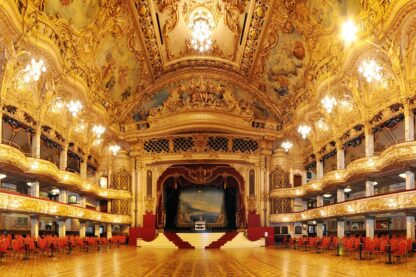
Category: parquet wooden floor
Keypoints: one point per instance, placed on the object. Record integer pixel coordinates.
(131, 261)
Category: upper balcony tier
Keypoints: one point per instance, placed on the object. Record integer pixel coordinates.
(14, 160)
(394, 157)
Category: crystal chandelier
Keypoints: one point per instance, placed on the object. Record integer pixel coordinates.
(34, 70)
(57, 105)
(329, 102)
(370, 70)
(201, 23)
(322, 124)
(349, 31)
(114, 149)
(74, 107)
(98, 130)
(304, 130)
(287, 145)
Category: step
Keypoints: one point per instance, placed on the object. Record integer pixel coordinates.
(240, 241)
(222, 240)
(161, 241)
(200, 240)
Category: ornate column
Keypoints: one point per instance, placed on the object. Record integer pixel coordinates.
(369, 226)
(1, 122)
(109, 231)
(369, 188)
(410, 226)
(320, 229)
(36, 143)
(319, 201)
(133, 192)
(409, 123)
(319, 167)
(82, 201)
(82, 229)
(34, 226)
(340, 227)
(340, 195)
(369, 141)
(34, 189)
(410, 179)
(140, 185)
(63, 197)
(340, 156)
(62, 228)
(97, 230)
(63, 158)
(83, 170)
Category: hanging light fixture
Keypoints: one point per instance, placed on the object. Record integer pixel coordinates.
(349, 31)
(2, 176)
(74, 107)
(327, 195)
(201, 23)
(348, 189)
(114, 149)
(34, 70)
(287, 145)
(57, 105)
(304, 130)
(322, 124)
(98, 130)
(371, 70)
(329, 102)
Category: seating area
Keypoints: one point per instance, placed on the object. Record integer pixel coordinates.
(18, 246)
(388, 250)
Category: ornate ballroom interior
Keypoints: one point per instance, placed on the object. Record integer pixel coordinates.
(280, 128)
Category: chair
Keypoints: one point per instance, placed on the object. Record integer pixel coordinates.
(401, 251)
(369, 247)
(381, 250)
(17, 249)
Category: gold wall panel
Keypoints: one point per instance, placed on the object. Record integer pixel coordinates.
(393, 156)
(27, 204)
(384, 203)
(12, 158)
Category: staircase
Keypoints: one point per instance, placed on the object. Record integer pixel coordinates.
(200, 240)
(222, 240)
(181, 244)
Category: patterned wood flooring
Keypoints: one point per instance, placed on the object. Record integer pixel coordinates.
(130, 261)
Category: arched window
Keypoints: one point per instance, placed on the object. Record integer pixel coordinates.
(251, 183)
(149, 185)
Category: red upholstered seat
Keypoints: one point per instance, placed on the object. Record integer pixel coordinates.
(401, 251)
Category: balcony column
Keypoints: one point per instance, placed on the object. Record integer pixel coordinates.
(1, 123)
(97, 207)
(340, 227)
(133, 192)
(97, 230)
(340, 195)
(83, 170)
(36, 143)
(109, 206)
(109, 231)
(63, 196)
(319, 168)
(319, 229)
(139, 208)
(410, 179)
(34, 189)
(291, 177)
(62, 228)
(369, 142)
(82, 201)
(340, 156)
(369, 188)
(409, 123)
(82, 229)
(410, 227)
(291, 229)
(369, 226)
(34, 226)
(319, 201)
(63, 158)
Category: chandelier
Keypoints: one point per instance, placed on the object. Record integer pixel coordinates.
(370, 70)
(287, 145)
(349, 31)
(322, 124)
(74, 107)
(329, 102)
(98, 130)
(114, 149)
(304, 130)
(57, 105)
(34, 70)
(201, 23)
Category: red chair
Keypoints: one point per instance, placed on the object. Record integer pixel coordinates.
(381, 251)
(17, 248)
(394, 245)
(409, 246)
(401, 251)
(369, 247)
(3, 249)
(324, 245)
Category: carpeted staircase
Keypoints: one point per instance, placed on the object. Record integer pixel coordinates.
(222, 240)
(173, 237)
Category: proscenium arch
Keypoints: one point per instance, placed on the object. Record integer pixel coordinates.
(218, 170)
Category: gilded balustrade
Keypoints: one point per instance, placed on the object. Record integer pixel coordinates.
(394, 156)
(11, 157)
(376, 204)
(26, 204)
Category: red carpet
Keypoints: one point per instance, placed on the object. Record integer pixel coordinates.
(181, 244)
(222, 240)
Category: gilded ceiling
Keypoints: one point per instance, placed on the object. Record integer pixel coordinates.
(280, 56)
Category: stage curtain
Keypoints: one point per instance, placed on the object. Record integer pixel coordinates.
(171, 205)
(230, 206)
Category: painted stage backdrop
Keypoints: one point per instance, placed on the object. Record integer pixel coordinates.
(206, 203)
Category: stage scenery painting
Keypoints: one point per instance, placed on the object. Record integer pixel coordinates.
(206, 204)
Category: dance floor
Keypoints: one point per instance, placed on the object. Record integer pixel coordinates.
(130, 261)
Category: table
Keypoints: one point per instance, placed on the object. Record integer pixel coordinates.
(200, 225)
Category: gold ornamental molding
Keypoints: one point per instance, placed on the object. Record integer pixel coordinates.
(27, 204)
(394, 156)
(11, 158)
(376, 204)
